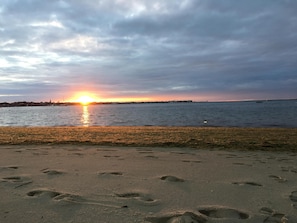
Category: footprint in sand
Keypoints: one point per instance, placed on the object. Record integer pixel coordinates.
(186, 217)
(148, 152)
(56, 196)
(248, 183)
(17, 181)
(230, 156)
(107, 150)
(183, 153)
(78, 154)
(111, 156)
(223, 212)
(276, 218)
(266, 210)
(43, 193)
(145, 151)
(145, 199)
(113, 173)
(278, 178)
(172, 179)
(242, 164)
(293, 198)
(74, 149)
(191, 161)
(67, 197)
(12, 179)
(9, 167)
(284, 159)
(273, 216)
(152, 156)
(51, 172)
(289, 169)
(41, 153)
(260, 161)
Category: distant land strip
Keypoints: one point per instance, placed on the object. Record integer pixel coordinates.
(26, 103)
(50, 103)
(269, 139)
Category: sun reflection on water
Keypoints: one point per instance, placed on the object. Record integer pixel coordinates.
(85, 118)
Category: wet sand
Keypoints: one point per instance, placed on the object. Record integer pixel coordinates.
(49, 175)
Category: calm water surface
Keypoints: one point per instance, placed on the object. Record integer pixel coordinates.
(241, 114)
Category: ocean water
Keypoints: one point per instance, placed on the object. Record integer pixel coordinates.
(226, 114)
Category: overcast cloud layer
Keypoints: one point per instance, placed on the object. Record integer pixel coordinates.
(148, 49)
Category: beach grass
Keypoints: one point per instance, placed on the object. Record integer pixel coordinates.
(270, 139)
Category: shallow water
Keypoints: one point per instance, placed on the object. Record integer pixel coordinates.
(226, 114)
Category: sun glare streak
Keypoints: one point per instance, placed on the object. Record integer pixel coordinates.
(85, 118)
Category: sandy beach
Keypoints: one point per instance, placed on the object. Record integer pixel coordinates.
(148, 174)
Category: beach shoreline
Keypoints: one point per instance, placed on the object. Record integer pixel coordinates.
(270, 139)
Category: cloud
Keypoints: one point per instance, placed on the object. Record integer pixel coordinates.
(170, 49)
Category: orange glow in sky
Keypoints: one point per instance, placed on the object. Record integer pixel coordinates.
(84, 98)
(88, 97)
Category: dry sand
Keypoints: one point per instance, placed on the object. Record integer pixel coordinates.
(78, 180)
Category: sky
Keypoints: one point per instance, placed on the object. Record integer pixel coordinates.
(148, 50)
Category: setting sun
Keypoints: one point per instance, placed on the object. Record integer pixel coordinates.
(85, 99)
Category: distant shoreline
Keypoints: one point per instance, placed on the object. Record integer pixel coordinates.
(32, 104)
(25, 103)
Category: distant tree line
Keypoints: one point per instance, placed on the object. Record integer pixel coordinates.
(26, 103)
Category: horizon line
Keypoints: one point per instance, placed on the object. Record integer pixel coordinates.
(143, 102)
